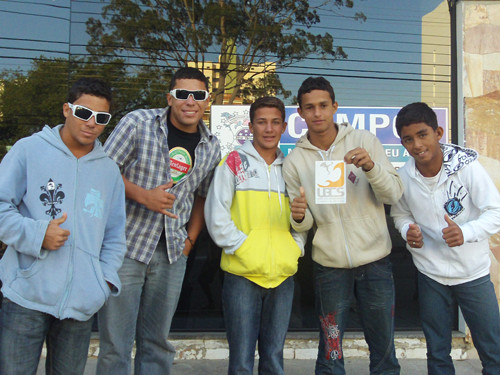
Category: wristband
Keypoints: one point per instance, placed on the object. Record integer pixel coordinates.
(190, 240)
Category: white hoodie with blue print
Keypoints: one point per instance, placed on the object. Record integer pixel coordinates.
(465, 193)
(40, 180)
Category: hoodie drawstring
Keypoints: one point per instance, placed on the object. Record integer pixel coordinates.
(278, 184)
(279, 192)
(325, 155)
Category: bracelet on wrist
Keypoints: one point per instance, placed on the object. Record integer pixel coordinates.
(190, 241)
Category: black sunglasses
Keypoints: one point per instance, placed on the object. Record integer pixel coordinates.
(198, 95)
(85, 114)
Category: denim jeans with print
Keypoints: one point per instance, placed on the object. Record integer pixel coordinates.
(372, 286)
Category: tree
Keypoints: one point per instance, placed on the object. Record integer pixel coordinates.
(244, 34)
(31, 99)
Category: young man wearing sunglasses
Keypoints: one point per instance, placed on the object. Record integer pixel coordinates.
(167, 157)
(62, 215)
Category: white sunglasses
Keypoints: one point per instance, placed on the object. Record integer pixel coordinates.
(182, 94)
(83, 113)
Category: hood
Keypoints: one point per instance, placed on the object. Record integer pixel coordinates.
(456, 157)
(53, 137)
(342, 130)
(248, 149)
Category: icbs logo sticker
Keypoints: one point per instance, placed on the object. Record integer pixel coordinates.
(330, 182)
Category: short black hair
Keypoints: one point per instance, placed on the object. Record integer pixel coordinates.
(315, 83)
(413, 114)
(90, 86)
(188, 73)
(267, 101)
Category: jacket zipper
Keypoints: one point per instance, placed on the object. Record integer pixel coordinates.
(347, 252)
(272, 271)
(71, 250)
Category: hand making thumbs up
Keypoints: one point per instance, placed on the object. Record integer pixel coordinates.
(452, 234)
(55, 236)
(299, 206)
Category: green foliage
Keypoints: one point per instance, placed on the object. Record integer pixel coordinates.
(243, 34)
(264, 86)
(29, 100)
(3, 151)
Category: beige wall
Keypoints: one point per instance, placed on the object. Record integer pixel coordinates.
(481, 93)
(436, 52)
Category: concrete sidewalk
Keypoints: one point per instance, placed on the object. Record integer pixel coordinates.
(208, 353)
(354, 366)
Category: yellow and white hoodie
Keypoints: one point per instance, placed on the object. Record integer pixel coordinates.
(247, 213)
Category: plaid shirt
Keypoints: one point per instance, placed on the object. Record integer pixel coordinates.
(139, 146)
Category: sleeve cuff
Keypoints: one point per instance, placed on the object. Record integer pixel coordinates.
(303, 226)
(404, 231)
(468, 233)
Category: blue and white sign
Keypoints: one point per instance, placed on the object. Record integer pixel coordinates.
(230, 124)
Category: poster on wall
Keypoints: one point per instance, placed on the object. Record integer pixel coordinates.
(230, 124)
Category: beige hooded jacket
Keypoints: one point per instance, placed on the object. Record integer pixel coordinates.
(352, 234)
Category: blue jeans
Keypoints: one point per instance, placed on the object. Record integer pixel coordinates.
(144, 311)
(22, 333)
(479, 306)
(251, 314)
(373, 287)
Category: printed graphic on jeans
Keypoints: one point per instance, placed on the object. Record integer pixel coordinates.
(455, 195)
(331, 334)
(238, 165)
(94, 205)
(52, 195)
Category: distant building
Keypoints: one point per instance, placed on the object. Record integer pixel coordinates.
(211, 70)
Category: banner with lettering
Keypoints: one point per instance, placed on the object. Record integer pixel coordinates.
(230, 124)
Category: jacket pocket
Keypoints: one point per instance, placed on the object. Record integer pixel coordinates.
(89, 290)
(286, 253)
(253, 256)
(43, 281)
(265, 252)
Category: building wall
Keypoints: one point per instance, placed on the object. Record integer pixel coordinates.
(481, 93)
(436, 50)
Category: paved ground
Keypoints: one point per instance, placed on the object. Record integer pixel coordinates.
(354, 366)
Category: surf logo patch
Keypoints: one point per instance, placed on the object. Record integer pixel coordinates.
(455, 196)
(94, 205)
(52, 196)
(239, 167)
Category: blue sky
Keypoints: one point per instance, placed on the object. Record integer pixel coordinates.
(384, 52)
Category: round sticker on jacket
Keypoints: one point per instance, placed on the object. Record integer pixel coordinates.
(180, 163)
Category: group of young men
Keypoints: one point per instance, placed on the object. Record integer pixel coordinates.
(109, 229)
